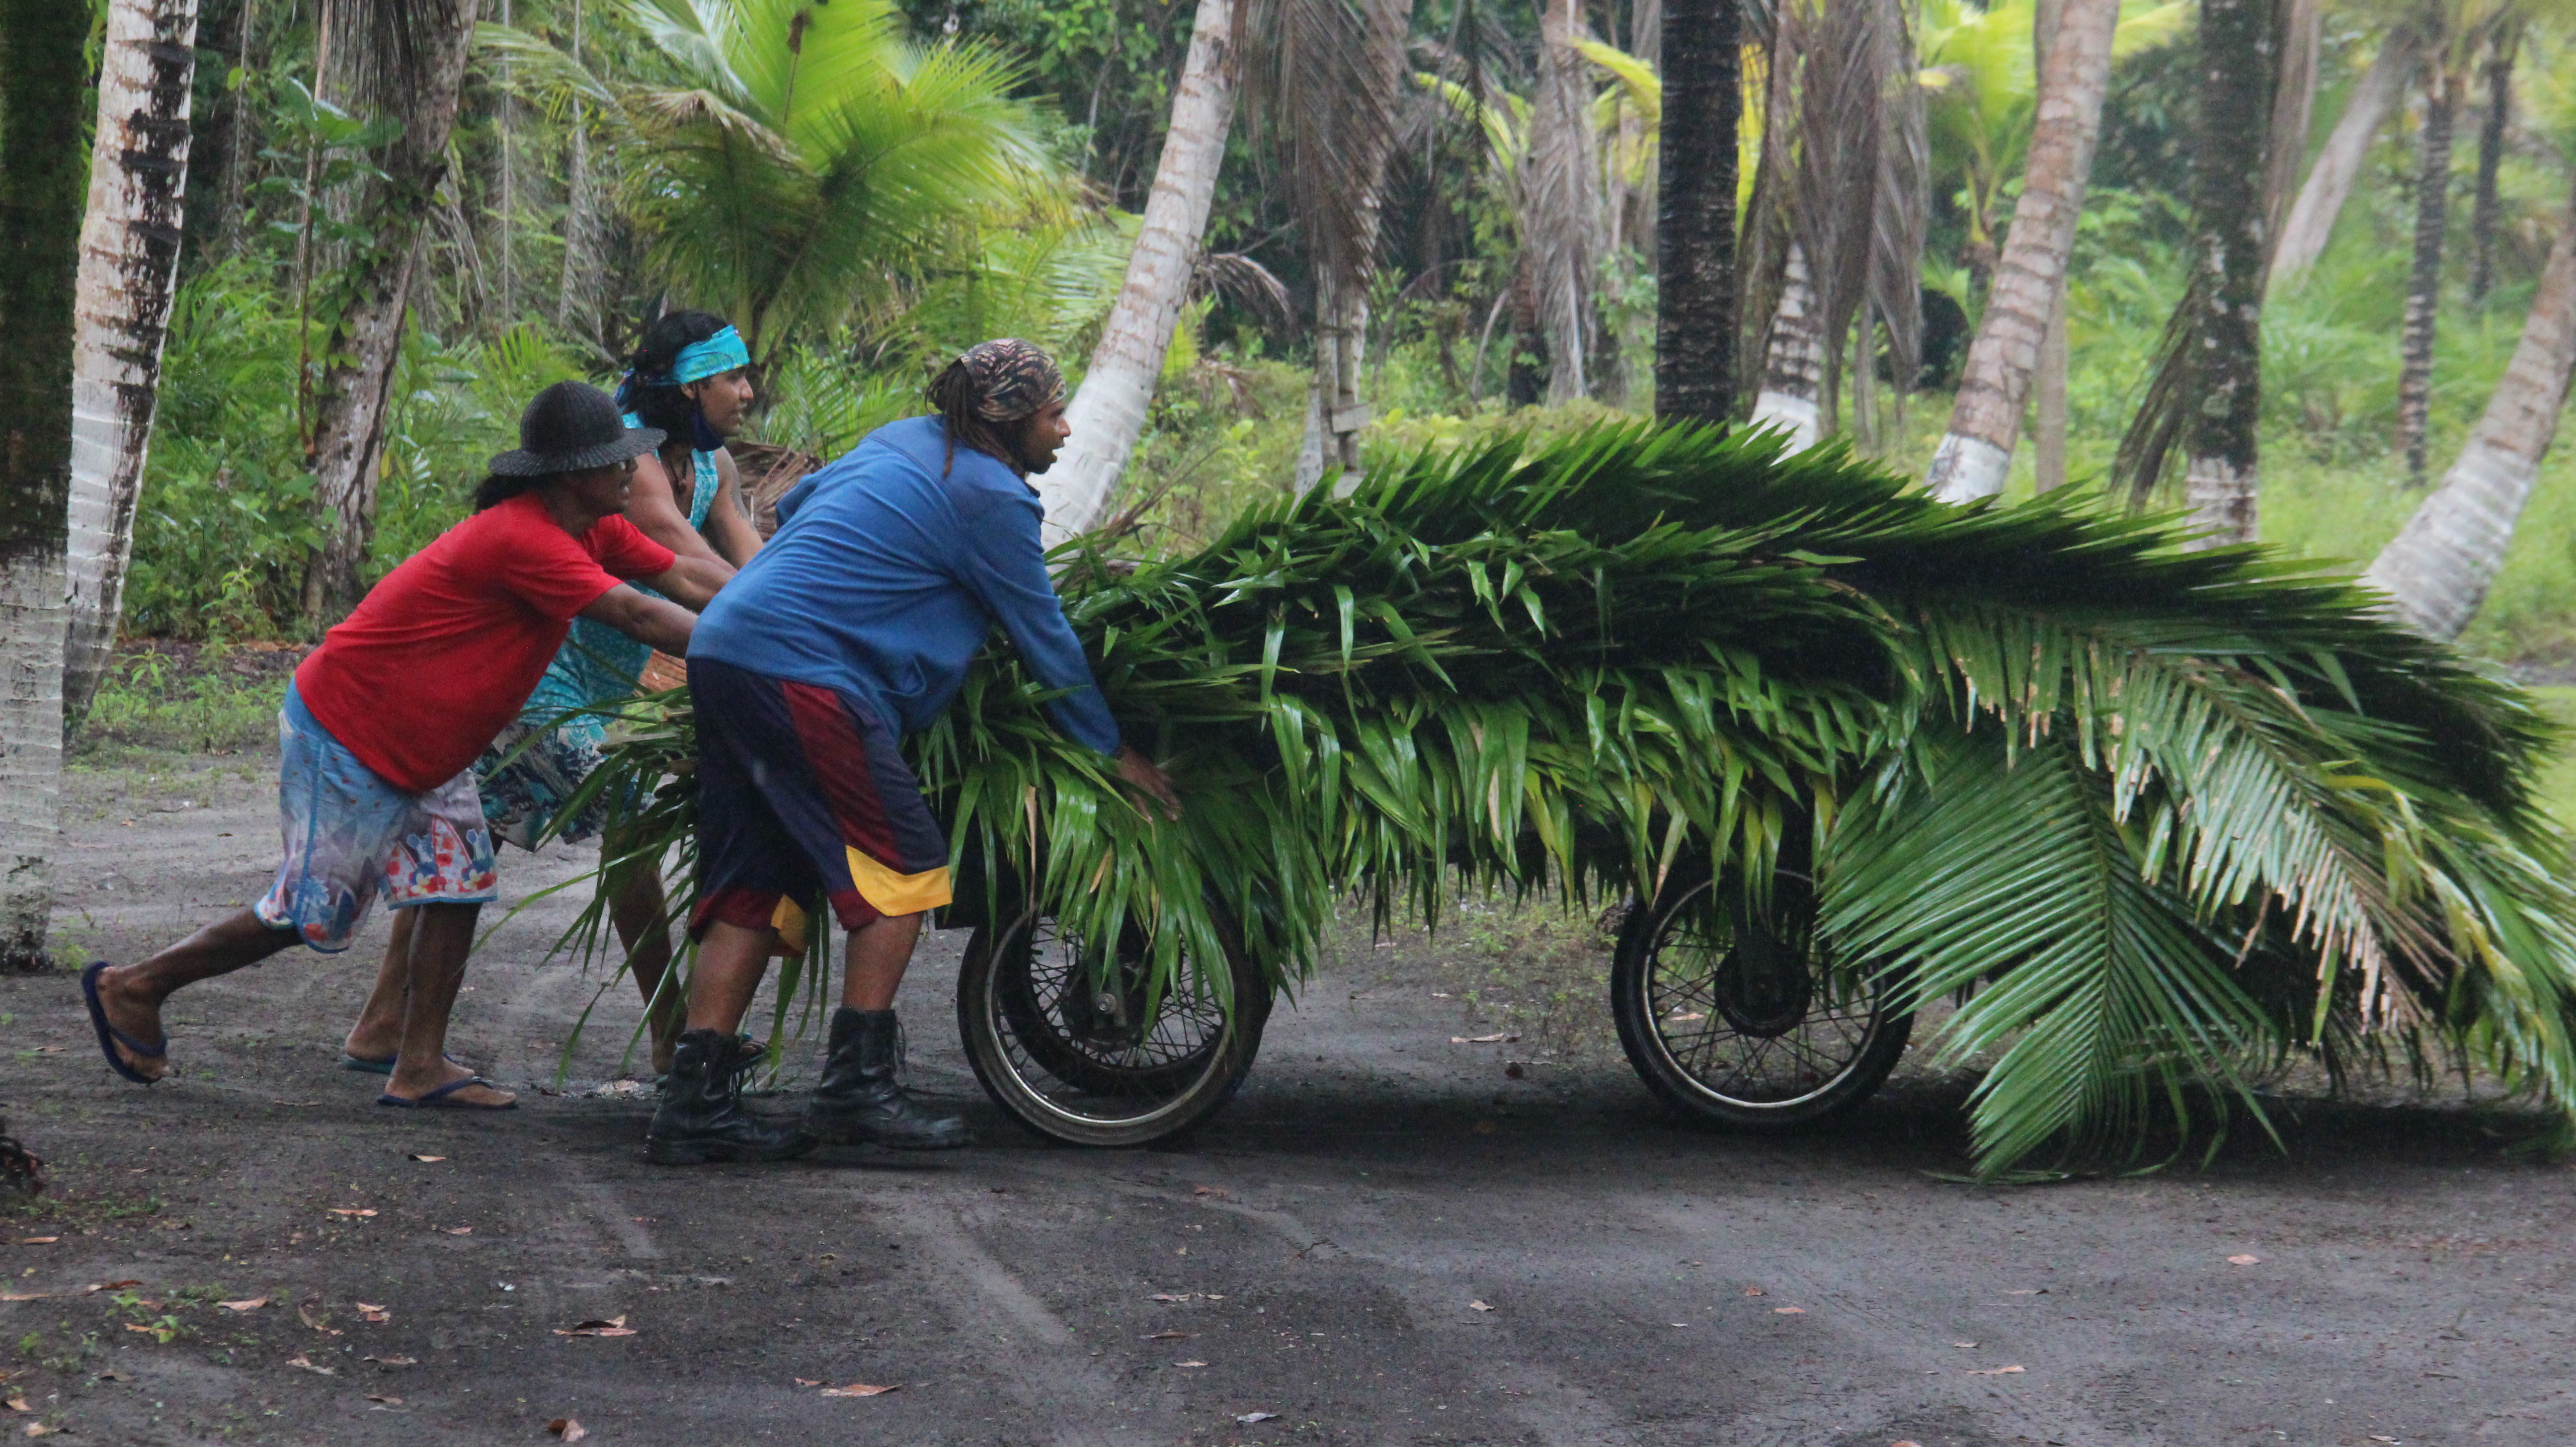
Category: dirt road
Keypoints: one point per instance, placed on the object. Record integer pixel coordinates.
(1384, 1240)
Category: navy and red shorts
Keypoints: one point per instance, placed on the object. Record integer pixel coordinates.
(801, 791)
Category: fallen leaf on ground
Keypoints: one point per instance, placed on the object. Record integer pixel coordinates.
(2244, 1260)
(1997, 1372)
(353, 1210)
(1169, 1336)
(392, 1361)
(1217, 1191)
(805, 1382)
(138, 1326)
(19, 1404)
(300, 1360)
(251, 1303)
(306, 1313)
(39, 1429)
(613, 1326)
(1482, 1039)
(1963, 1344)
(1175, 1295)
(388, 1401)
(426, 1159)
(38, 1240)
(24, 1295)
(110, 1285)
(1788, 1311)
(862, 1389)
(114, 1377)
(457, 1230)
(2029, 1291)
(367, 1312)
(1189, 1364)
(1753, 1291)
(1248, 1418)
(1478, 1306)
(1908, 1442)
(567, 1429)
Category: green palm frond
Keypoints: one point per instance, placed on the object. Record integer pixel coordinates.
(2166, 816)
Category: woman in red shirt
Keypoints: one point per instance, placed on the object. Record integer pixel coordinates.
(383, 722)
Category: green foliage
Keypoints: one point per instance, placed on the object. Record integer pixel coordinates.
(2167, 815)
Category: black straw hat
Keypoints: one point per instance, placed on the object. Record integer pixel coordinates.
(570, 427)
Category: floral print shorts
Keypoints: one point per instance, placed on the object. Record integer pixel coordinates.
(349, 834)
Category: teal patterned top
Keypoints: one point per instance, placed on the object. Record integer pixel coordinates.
(598, 664)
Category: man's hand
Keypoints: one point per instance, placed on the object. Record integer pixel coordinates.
(1142, 774)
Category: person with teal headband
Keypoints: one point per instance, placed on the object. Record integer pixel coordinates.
(689, 380)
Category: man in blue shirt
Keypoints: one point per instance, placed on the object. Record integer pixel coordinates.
(853, 627)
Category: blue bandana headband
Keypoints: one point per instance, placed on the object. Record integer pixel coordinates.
(697, 361)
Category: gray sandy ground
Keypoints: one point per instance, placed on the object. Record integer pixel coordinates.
(1330, 1237)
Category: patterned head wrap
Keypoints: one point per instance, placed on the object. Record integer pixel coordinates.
(1012, 379)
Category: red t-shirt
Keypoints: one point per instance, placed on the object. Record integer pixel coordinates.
(445, 651)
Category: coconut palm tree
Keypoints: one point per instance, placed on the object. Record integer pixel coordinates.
(1108, 410)
(2487, 206)
(2374, 98)
(2204, 398)
(2438, 568)
(128, 274)
(42, 71)
(2458, 30)
(1695, 268)
(405, 63)
(814, 153)
(1976, 451)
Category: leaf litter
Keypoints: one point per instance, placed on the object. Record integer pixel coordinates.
(613, 1326)
(568, 1429)
(862, 1389)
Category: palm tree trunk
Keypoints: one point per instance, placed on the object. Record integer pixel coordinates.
(2240, 44)
(2487, 209)
(1560, 212)
(1108, 411)
(1695, 324)
(366, 339)
(1793, 369)
(42, 70)
(2424, 283)
(572, 289)
(2437, 570)
(1976, 452)
(2375, 97)
(2048, 399)
(129, 268)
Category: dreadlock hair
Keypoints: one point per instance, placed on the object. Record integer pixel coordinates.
(501, 487)
(953, 393)
(670, 409)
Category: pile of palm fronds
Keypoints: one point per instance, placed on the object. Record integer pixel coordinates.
(2163, 818)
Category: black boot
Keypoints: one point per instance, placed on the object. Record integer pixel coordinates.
(858, 1099)
(702, 1119)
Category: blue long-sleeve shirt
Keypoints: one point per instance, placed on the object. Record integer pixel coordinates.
(885, 578)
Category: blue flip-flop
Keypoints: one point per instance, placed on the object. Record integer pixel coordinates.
(109, 1037)
(443, 1098)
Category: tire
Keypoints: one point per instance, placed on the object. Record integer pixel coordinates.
(1733, 1026)
(1084, 1066)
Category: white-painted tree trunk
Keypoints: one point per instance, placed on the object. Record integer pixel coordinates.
(1108, 410)
(2438, 569)
(2375, 97)
(32, 616)
(128, 270)
(1793, 369)
(1976, 452)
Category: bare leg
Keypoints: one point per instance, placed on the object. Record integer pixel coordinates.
(637, 911)
(131, 995)
(731, 960)
(879, 952)
(440, 940)
(378, 1033)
